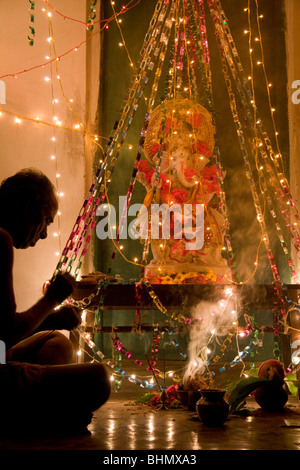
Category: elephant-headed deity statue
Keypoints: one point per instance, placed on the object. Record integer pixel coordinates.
(182, 205)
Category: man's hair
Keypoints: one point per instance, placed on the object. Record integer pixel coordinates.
(29, 189)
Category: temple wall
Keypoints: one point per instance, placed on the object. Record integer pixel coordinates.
(293, 69)
(29, 143)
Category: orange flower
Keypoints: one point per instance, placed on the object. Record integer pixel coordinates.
(189, 173)
(195, 120)
(202, 147)
(155, 148)
(170, 124)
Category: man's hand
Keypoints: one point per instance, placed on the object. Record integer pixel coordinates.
(60, 288)
(66, 318)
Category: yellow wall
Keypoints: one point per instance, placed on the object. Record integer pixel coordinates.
(30, 144)
(293, 67)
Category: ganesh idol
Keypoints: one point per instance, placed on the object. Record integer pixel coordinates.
(179, 173)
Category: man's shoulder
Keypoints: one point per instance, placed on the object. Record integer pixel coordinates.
(5, 238)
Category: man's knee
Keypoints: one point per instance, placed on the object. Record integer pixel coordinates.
(100, 384)
(57, 349)
(63, 348)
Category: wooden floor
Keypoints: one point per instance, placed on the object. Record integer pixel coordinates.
(123, 425)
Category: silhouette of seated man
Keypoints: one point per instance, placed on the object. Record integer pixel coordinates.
(40, 384)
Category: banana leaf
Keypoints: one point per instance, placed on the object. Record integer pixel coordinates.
(242, 390)
(292, 383)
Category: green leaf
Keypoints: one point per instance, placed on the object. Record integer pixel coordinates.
(145, 398)
(230, 384)
(242, 390)
(252, 372)
(292, 383)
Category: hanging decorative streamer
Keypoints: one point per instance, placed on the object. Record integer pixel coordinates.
(190, 45)
(87, 217)
(123, 10)
(31, 26)
(260, 146)
(120, 374)
(92, 16)
(270, 164)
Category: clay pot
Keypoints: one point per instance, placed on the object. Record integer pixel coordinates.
(212, 408)
(189, 398)
(271, 396)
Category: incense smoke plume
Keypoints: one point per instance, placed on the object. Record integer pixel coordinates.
(210, 320)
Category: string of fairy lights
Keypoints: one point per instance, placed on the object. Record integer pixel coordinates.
(181, 24)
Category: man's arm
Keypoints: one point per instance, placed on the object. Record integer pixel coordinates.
(15, 326)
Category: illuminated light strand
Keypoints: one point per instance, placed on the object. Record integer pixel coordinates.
(87, 215)
(100, 357)
(182, 53)
(54, 157)
(126, 205)
(267, 81)
(267, 143)
(40, 121)
(165, 329)
(124, 9)
(144, 383)
(154, 346)
(259, 166)
(58, 76)
(73, 49)
(85, 236)
(191, 88)
(225, 344)
(164, 41)
(118, 135)
(56, 124)
(202, 53)
(121, 34)
(259, 212)
(175, 342)
(271, 258)
(120, 348)
(244, 151)
(189, 68)
(118, 366)
(237, 359)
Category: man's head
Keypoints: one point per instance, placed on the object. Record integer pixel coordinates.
(28, 205)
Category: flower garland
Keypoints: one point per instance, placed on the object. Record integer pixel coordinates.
(207, 277)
